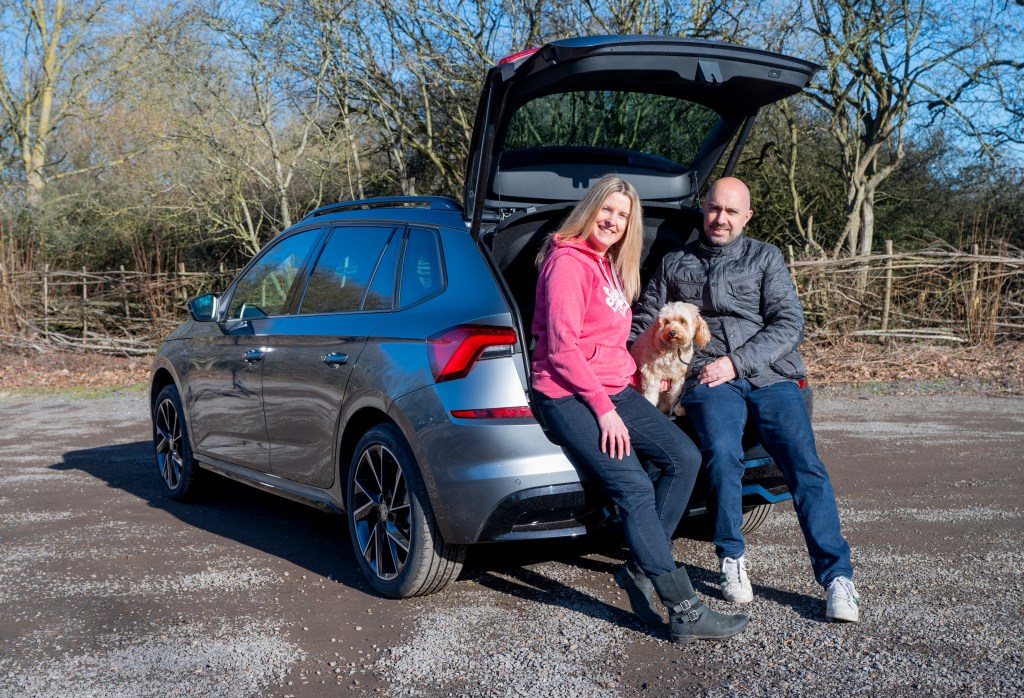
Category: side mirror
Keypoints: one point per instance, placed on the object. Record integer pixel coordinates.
(204, 308)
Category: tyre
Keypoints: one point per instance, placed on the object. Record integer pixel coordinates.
(395, 537)
(703, 527)
(179, 471)
(754, 517)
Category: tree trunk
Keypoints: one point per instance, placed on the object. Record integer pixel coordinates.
(867, 230)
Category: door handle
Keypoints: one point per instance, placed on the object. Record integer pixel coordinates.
(253, 355)
(335, 359)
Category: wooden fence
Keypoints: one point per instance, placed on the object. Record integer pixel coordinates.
(118, 312)
(974, 297)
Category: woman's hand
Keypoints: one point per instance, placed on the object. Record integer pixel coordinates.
(614, 435)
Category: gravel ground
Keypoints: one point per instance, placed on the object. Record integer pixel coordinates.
(110, 589)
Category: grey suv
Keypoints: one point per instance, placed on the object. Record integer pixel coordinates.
(373, 359)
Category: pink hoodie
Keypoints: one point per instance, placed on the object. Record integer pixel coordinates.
(581, 323)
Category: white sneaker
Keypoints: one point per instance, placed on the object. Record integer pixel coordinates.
(842, 603)
(735, 583)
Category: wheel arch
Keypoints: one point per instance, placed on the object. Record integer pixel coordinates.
(357, 424)
(430, 564)
(162, 377)
(364, 418)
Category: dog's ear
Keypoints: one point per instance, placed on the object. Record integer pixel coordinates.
(703, 335)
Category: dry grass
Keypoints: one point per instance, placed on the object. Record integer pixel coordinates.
(996, 368)
(60, 370)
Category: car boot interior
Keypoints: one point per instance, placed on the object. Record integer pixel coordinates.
(516, 240)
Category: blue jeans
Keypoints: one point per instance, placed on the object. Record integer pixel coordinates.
(650, 511)
(719, 415)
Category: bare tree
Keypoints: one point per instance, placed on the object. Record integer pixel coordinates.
(720, 19)
(413, 71)
(327, 27)
(253, 110)
(890, 64)
(56, 57)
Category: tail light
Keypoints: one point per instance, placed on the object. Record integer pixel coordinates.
(494, 413)
(453, 352)
(518, 56)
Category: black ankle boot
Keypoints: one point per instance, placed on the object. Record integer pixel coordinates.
(640, 591)
(689, 618)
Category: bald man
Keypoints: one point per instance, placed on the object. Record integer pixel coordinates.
(750, 371)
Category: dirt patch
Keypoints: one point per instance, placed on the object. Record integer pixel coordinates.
(61, 370)
(998, 369)
(918, 367)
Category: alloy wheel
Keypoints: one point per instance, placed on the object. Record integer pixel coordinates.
(381, 512)
(168, 444)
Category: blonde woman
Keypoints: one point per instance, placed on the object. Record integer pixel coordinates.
(589, 277)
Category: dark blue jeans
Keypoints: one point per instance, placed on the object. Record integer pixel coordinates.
(719, 415)
(650, 511)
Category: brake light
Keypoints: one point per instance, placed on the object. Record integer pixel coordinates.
(517, 56)
(453, 352)
(494, 413)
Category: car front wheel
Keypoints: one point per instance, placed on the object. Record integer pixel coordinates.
(396, 540)
(180, 473)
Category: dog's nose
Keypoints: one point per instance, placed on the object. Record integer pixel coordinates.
(672, 333)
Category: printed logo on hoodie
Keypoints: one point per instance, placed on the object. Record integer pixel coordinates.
(615, 297)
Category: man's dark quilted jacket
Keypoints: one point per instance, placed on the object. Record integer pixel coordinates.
(745, 294)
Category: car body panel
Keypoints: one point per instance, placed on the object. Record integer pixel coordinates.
(305, 374)
(473, 465)
(224, 394)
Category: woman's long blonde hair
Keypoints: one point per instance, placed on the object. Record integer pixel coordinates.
(624, 254)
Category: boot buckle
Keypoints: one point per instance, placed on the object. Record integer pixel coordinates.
(692, 616)
(682, 606)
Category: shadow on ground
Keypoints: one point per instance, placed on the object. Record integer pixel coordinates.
(319, 542)
(307, 537)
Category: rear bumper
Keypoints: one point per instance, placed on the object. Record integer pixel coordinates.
(763, 483)
(502, 479)
(554, 511)
(490, 479)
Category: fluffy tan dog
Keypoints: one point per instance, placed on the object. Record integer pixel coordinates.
(665, 350)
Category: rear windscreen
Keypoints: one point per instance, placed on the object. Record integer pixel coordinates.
(666, 127)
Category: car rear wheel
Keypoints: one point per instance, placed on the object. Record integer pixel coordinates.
(396, 540)
(179, 471)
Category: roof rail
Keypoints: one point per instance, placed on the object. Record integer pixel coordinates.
(434, 203)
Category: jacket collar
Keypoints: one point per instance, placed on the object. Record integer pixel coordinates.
(732, 249)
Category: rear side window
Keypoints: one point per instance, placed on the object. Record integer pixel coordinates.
(346, 268)
(422, 275)
(667, 127)
(381, 295)
(263, 289)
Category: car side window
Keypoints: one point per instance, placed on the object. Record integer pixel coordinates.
(381, 295)
(263, 289)
(345, 270)
(422, 275)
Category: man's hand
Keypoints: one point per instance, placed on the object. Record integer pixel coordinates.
(719, 371)
(614, 435)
